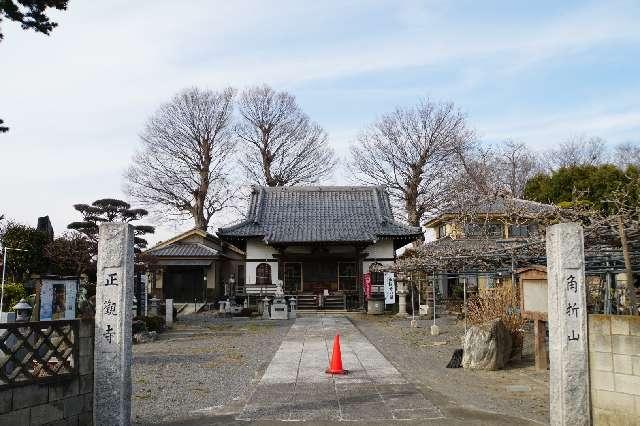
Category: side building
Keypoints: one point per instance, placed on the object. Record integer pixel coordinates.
(194, 266)
(489, 226)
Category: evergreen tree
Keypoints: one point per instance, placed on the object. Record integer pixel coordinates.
(110, 210)
(585, 185)
(22, 263)
(31, 14)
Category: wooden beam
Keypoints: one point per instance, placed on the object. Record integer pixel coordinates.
(540, 346)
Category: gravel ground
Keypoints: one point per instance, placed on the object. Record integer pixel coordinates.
(204, 365)
(422, 358)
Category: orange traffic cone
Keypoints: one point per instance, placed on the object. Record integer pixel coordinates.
(335, 366)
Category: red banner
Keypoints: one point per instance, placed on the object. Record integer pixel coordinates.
(367, 285)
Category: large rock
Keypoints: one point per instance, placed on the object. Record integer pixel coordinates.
(145, 337)
(487, 347)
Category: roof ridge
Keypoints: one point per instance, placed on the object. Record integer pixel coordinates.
(259, 201)
(377, 202)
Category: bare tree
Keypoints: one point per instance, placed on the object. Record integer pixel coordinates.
(501, 169)
(627, 154)
(578, 150)
(413, 151)
(183, 167)
(281, 145)
(516, 164)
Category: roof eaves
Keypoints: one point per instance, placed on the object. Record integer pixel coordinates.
(181, 236)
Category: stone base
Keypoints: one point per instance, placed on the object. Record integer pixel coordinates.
(279, 311)
(435, 330)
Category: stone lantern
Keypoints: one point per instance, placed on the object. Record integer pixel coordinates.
(401, 283)
(23, 311)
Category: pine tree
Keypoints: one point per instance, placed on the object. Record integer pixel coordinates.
(110, 210)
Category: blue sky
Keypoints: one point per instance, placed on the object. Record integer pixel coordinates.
(537, 72)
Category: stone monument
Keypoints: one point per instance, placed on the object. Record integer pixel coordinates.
(114, 298)
(402, 292)
(168, 312)
(279, 309)
(567, 316)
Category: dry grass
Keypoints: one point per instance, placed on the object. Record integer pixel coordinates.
(500, 302)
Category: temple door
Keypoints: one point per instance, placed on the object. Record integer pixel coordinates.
(292, 277)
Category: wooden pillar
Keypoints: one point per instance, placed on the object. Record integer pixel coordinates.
(539, 344)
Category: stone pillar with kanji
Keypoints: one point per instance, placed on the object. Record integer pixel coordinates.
(114, 304)
(567, 322)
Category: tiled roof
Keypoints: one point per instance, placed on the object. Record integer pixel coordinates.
(503, 205)
(496, 206)
(185, 250)
(320, 214)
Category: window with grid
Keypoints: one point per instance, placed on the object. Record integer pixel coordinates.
(263, 274)
(442, 231)
(521, 231)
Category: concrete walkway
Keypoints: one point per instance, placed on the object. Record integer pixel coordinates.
(295, 386)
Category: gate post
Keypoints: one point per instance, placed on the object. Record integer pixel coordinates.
(567, 321)
(112, 353)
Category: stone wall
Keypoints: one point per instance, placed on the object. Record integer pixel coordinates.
(614, 369)
(63, 403)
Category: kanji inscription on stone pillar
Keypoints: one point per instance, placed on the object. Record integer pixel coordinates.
(567, 323)
(114, 301)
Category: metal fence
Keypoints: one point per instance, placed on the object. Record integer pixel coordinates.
(38, 352)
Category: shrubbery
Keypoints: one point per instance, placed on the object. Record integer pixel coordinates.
(154, 323)
(501, 302)
(12, 294)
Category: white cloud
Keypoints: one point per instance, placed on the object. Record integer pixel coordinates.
(77, 100)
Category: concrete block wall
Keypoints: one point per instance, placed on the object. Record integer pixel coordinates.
(64, 403)
(614, 369)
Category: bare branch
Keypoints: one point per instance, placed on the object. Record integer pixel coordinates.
(183, 169)
(281, 145)
(413, 151)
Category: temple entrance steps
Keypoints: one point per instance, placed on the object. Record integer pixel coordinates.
(187, 308)
(307, 301)
(310, 301)
(335, 302)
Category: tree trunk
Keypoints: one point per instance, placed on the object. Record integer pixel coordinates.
(631, 290)
(266, 169)
(411, 196)
(413, 218)
(203, 187)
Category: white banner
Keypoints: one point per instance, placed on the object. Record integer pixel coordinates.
(389, 288)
